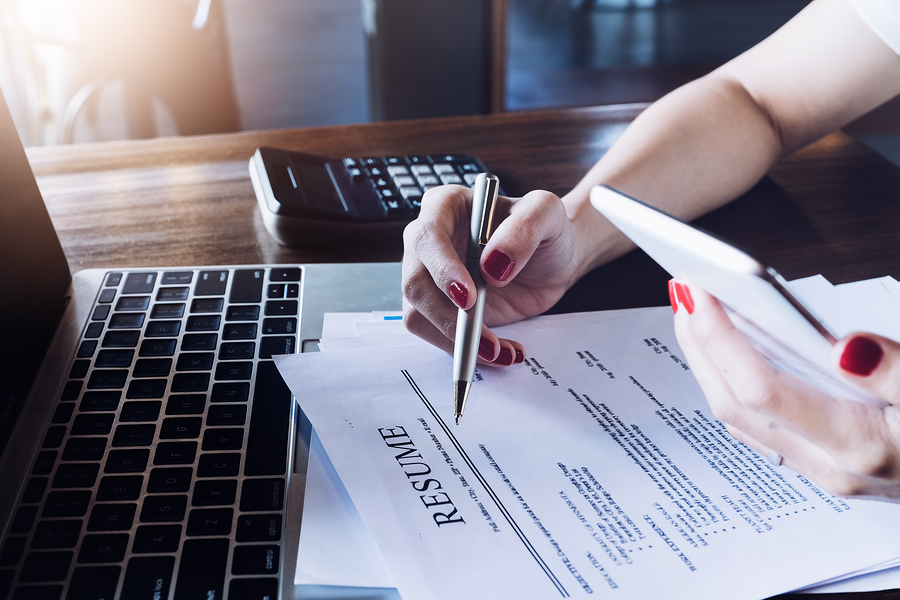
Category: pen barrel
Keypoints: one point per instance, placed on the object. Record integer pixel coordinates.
(468, 328)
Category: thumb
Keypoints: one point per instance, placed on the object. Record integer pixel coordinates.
(872, 362)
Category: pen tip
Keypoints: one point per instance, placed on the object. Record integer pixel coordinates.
(457, 419)
(460, 394)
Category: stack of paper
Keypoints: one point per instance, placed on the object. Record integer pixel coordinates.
(595, 467)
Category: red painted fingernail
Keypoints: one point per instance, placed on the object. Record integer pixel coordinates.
(458, 294)
(505, 358)
(498, 265)
(520, 356)
(684, 297)
(486, 349)
(672, 298)
(861, 356)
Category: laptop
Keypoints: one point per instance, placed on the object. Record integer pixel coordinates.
(148, 446)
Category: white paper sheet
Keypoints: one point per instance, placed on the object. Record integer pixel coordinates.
(575, 471)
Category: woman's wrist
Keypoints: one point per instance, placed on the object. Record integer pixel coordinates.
(596, 240)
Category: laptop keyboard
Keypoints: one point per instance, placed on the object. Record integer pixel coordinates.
(163, 472)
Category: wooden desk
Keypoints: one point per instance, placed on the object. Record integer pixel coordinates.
(831, 208)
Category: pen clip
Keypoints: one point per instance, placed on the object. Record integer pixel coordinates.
(487, 194)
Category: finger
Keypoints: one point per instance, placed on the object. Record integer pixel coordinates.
(437, 240)
(872, 362)
(538, 218)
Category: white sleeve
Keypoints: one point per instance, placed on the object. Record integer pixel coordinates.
(883, 16)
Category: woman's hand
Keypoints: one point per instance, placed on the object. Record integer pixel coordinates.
(527, 264)
(851, 448)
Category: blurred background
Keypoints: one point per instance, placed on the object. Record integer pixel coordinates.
(90, 70)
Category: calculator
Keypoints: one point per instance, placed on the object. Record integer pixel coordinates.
(307, 199)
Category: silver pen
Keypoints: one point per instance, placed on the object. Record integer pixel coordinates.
(468, 322)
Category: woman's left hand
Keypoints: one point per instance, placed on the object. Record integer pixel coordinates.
(848, 447)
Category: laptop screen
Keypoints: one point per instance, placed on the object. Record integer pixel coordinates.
(34, 276)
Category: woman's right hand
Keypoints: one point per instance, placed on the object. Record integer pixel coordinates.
(528, 264)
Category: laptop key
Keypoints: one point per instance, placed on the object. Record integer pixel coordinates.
(167, 481)
(51, 535)
(281, 308)
(167, 311)
(176, 278)
(267, 439)
(112, 379)
(242, 313)
(127, 321)
(71, 390)
(262, 495)
(214, 492)
(162, 328)
(240, 331)
(203, 323)
(259, 528)
(246, 286)
(211, 283)
(23, 520)
(34, 490)
(199, 341)
(63, 412)
(273, 345)
(44, 462)
(253, 588)
(207, 305)
(150, 539)
(134, 435)
(54, 436)
(281, 274)
(119, 487)
(127, 461)
(276, 325)
(237, 350)
(92, 401)
(93, 583)
(94, 330)
(113, 279)
(149, 577)
(219, 465)
(187, 404)
(210, 521)
(86, 349)
(140, 411)
(234, 371)
(146, 388)
(100, 312)
(139, 283)
(153, 347)
(256, 560)
(190, 382)
(114, 358)
(111, 517)
(133, 303)
(103, 548)
(175, 453)
(157, 509)
(230, 392)
(168, 294)
(75, 475)
(195, 361)
(84, 449)
(79, 369)
(228, 414)
(201, 572)
(184, 428)
(92, 424)
(223, 439)
(12, 551)
(152, 367)
(46, 566)
(121, 339)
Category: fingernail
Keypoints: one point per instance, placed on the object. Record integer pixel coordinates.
(672, 298)
(498, 265)
(520, 356)
(684, 297)
(486, 349)
(861, 356)
(458, 294)
(505, 358)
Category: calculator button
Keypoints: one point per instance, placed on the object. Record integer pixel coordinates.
(449, 158)
(395, 170)
(411, 192)
(417, 160)
(421, 169)
(381, 182)
(394, 160)
(375, 171)
(451, 178)
(350, 162)
(470, 178)
(371, 161)
(470, 168)
(404, 180)
(428, 180)
(386, 194)
(442, 168)
(355, 173)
